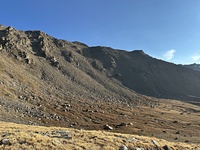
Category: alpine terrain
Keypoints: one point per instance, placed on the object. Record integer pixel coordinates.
(93, 97)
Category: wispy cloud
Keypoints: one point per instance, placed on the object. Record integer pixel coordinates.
(196, 57)
(169, 54)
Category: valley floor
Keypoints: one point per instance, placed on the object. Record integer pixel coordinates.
(18, 136)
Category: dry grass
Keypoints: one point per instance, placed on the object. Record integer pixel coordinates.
(30, 137)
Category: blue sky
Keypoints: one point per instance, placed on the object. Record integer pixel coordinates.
(165, 29)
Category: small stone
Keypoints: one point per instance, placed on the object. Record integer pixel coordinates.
(122, 114)
(21, 97)
(5, 142)
(175, 121)
(138, 148)
(107, 127)
(132, 139)
(55, 142)
(123, 147)
(122, 124)
(176, 138)
(187, 141)
(154, 142)
(17, 130)
(130, 124)
(166, 147)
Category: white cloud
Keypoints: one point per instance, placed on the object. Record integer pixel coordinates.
(169, 54)
(196, 57)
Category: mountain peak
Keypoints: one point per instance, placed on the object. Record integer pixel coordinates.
(141, 52)
(137, 51)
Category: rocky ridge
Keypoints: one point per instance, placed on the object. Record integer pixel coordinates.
(194, 66)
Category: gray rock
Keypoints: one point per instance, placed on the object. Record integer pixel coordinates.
(138, 148)
(175, 121)
(166, 147)
(154, 142)
(107, 127)
(176, 138)
(123, 147)
(122, 124)
(5, 142)
(187, 141)
(130, 124)
(132, 139)
(58, 134)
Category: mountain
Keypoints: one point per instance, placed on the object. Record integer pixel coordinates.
(51, 82)
(99, 72)
(60, 64)
(146, 75)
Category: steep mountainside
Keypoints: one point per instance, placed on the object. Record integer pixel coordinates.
(146, 75)
(97, 72)
(59, 64)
